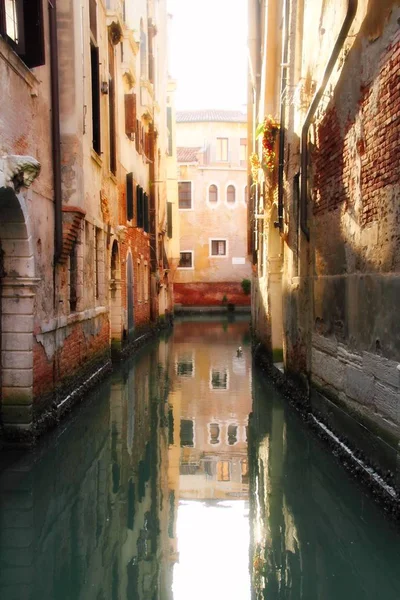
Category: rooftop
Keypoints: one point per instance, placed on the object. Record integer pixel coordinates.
(201, 116)
(187, 155)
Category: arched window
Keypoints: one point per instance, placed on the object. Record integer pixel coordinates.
(231, 194)
(213, 194)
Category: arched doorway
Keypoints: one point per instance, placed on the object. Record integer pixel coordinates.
(275, 263)
(129, 285)
(115, 299)
(17, 295)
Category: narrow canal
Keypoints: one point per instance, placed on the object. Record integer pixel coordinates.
(185, 476)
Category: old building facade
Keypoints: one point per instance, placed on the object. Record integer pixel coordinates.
(83, 195)
(212, 151)
(324, 219)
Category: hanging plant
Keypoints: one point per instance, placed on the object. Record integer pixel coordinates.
(268, 129)
(255, 165)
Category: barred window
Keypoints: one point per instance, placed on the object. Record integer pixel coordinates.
(218, 247)
(185, 194)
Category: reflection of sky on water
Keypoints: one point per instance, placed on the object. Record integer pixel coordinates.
(213, 551)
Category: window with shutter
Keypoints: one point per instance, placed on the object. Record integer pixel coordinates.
(21, 25)
(139, 214)
(146, 213)
(129, 196)
(95, 72)
(130, 115)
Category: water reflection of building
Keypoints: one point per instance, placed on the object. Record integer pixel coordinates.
(213, 390)
(314, 535)
(85, 517)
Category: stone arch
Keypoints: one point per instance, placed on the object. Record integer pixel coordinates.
(17, 294)
(275, 264)
(115, 298)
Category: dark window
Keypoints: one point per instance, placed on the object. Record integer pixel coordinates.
(140, 208)
(129, 196)
(231, 194)
(187, 434)
(213, 194)
(185, 194)
(184, 368)
(219, 380)
(169, 127)
(95, 71)
(169, 219)
(21, 24)
(146, 213)
(232, 434)
(218, 248)
(186, 260)
(111, 109)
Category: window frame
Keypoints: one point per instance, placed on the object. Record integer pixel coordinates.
(234, 203)
(191, 193)
(218, 153)
(30, 46)
(211, 240)
(186, 252)
(212, 204)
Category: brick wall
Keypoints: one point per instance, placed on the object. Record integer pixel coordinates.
(79, 349)
(210, 294)
(372, 136)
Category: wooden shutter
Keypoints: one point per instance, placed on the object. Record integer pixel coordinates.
(139, 214)
(169, 219)
(146, 213)
(137, 133)
(130, 114)
(33, 54)
(129, 196)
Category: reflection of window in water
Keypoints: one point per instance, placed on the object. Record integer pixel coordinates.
(223, 471)
(208, 467)
(245, 471)
(214, 433)
(184, 368)
(232, 434)
(219, 379)
(187, 433)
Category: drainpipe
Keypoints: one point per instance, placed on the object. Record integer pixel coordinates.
(284, 66)
(351, 13)
(55, 127)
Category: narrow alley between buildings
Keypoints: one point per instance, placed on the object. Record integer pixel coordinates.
(180, 471)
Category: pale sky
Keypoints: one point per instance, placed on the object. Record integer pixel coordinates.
(208, 53)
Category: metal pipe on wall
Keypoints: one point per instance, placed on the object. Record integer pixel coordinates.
(349, 18)
(55, 127)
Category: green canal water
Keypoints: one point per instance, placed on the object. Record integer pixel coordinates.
(184, 476)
